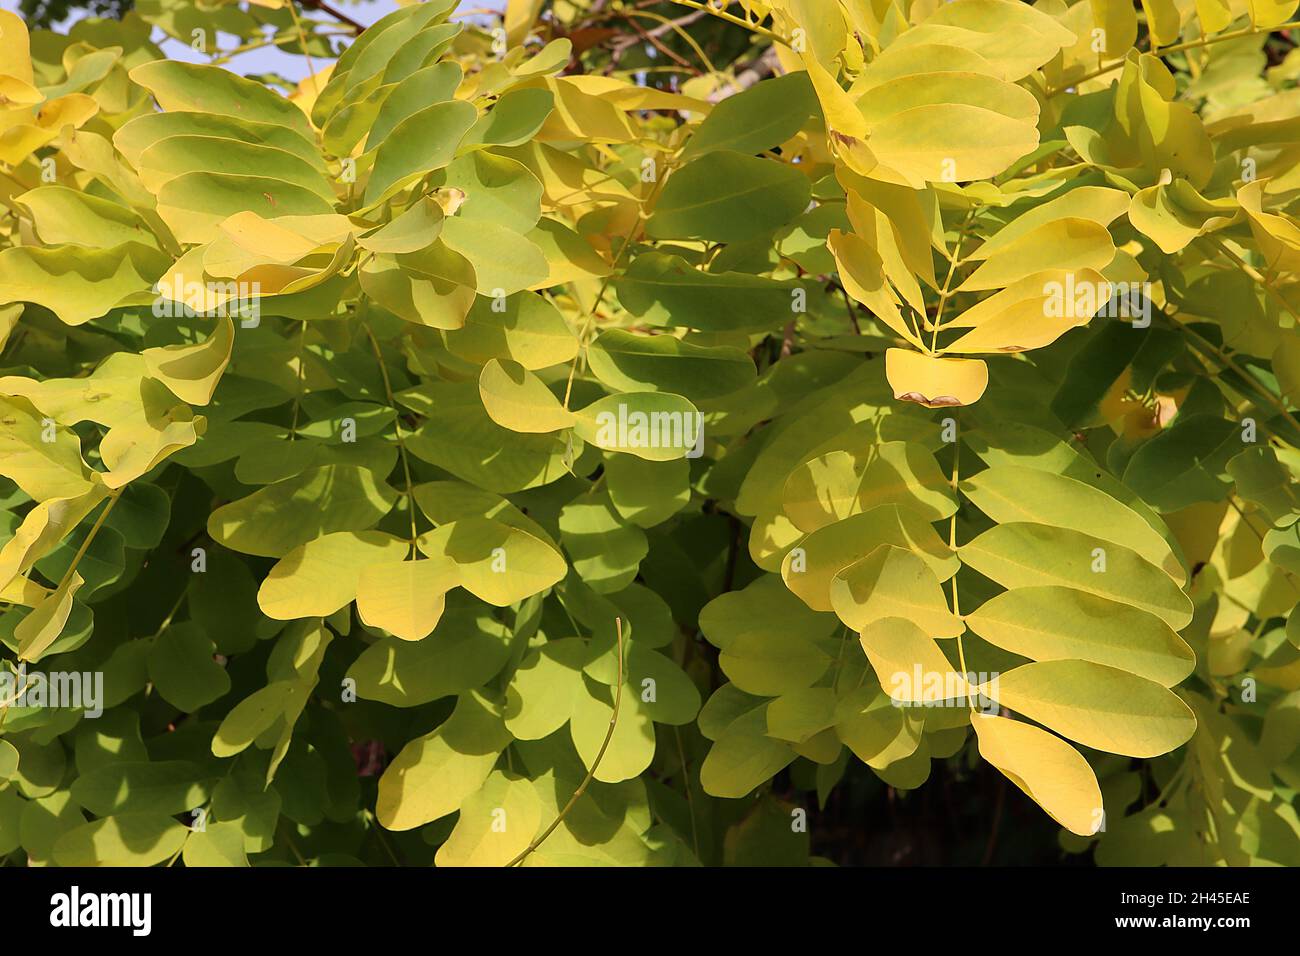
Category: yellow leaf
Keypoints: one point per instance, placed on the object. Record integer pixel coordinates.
(519, 19)
(495, 562)
(950, 142)
(317, 578)
(933, 381)
(43, 527)
(405, 598)
(15, 47)
(42, 627)
(1051, 772)
(495, 825)
(1099, 706)
(434, 774)
(1163, 21)
(1270, 13)
(42, 468)
(892, 582)
(1060, 244)
(862, 272)
(517, 399)
(909, 664)
(192, 371)
(1174, 213)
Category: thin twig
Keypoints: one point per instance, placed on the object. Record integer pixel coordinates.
(722, 14)
(1174, 48)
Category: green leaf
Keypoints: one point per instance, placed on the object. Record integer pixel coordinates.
(656, 426)
(217, 844)
(434, 774)
(647, 493)
(604, 550)
(760, 118)
(165, 786)
(514, 119)
(63, 215)
(129, 839)
(770, 641)
(143, 131)
(743, 758)
(523, 328)
(176, 155)
(193, 205)
(628, 362)
(726, 197)
(545, 688)
(458, 435)
(210, 89)
(504, 261)
(421, 143)
(663, 291)
(1185, 464)
(465, 650)
(277, 518)
(182, 668)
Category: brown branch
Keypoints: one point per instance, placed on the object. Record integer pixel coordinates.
(341, 17)
(650, 37)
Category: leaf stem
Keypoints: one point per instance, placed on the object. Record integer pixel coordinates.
(952, 546)
(302, 38)
(600, 755)
(954, 260)
(690, 798)
(297, 395)
(1204, 345)
(397, 432)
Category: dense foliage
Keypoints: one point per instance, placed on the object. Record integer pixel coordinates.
(651, 433)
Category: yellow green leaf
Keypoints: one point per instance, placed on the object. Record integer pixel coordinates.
(1050, 623)
(1098, 706)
